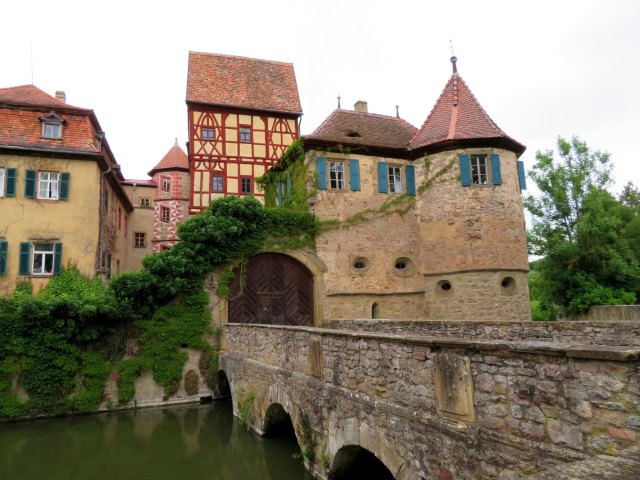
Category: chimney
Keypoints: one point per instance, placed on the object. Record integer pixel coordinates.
(60, 95)
(361, 107)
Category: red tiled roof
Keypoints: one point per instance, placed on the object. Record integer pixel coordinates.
(175, 159)
(457, 115)
(21, 127)
(30, 95)
(348, 127)
(242, 82)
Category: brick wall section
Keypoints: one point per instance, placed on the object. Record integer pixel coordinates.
(623, 333)
(535, 403)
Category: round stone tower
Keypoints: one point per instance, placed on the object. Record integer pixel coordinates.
(472, 228)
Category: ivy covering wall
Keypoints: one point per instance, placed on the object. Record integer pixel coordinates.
(58, 347)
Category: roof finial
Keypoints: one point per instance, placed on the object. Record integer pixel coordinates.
(339, 97)
(454, 59)
(397, 111)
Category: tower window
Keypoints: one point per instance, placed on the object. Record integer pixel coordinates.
(479, 169)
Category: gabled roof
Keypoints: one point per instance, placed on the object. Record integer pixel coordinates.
(175, 159)
(241, 82)
(348, 127)
(458, 117)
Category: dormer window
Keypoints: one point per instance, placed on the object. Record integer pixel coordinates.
(52, 126)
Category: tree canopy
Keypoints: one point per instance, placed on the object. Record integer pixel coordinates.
(586, 235)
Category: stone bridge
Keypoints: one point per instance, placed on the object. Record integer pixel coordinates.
(444, 400)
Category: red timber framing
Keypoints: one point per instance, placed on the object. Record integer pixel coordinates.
(216, 149)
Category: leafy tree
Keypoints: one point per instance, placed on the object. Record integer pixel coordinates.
(587, 237)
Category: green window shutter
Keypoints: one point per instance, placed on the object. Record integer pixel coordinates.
(354, 175)
(65, 177)
(57, 258)
(383, 178)
(289, 185)
(522, 178)
(410, 176)
(10, 191)
(465, 170)
(279, 192)
(321, 169)
(3, 256)
(30, 184)
(496, 174)
(24, 266)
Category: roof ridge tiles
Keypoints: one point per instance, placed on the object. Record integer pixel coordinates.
(241, 57)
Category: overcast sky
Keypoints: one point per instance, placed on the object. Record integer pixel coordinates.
(540, 69)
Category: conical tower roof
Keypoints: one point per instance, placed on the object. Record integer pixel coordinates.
(458, 120)
(175, 159)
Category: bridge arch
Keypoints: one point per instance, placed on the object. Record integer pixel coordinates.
(356, 462)
(277, 422)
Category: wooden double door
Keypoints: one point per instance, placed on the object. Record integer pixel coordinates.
(274, 289)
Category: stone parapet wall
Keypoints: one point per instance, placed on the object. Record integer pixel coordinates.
(513, 406)
(623, 333)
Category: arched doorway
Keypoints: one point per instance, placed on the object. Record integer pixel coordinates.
(352, 462)
(276, 289)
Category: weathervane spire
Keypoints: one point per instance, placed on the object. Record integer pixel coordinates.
(454, 59)
(339, 97)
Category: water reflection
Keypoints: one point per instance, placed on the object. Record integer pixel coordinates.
(199, 441)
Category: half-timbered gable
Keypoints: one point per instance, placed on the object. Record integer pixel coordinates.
(243, 114)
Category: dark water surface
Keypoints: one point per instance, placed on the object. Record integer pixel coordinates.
(189, 442)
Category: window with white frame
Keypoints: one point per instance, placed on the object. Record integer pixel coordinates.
(165, 214)
(337, 176)
(145, 202)
(1, 182)
(48, 185)
(52, 126)
(166, 184)
(479, 170)
(42, 259)
(395, 179)
(217, 183)
(140, 240)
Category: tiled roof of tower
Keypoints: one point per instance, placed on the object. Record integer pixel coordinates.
(175, 159)
(349, 127)
(457, 115)
(22, 127)
(242, 82)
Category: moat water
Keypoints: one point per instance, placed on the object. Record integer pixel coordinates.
(188, 442)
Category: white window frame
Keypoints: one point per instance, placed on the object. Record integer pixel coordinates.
(166, 184)
(480, 171)
(145, 202)
(52, 130)
(208, 133)
(2, 180)
(48, 185)
(337, 175)
(394, 176)
(39, 255)
(214, 179)
(245, 134)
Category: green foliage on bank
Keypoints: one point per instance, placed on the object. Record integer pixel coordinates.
(587, 236)
(45, 346)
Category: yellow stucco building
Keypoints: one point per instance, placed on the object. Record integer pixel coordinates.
(61, 198)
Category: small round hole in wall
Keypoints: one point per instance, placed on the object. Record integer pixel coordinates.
(359, 265)
(404, 267)
(444, 286)
(508, 285)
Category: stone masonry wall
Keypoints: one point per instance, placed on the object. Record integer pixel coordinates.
(622, 333)
(469, 408)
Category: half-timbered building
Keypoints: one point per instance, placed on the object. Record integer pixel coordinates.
(243, 113)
